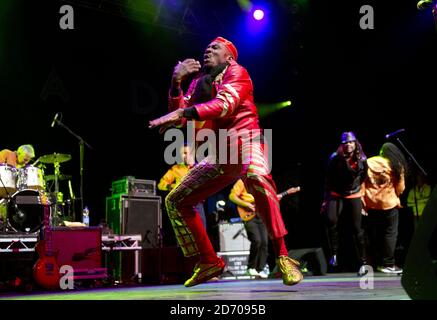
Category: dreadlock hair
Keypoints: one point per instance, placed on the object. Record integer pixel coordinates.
(398, 163)
(358, 153)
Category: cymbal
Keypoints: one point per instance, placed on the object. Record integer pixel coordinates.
(51, 177)
(55, 158)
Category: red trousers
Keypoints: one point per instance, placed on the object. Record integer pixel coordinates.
(206, 179)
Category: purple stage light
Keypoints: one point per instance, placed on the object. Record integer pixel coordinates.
(258, 14)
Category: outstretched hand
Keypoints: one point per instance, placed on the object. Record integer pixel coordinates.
(168, 119)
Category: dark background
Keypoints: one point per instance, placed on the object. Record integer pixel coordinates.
(111, 76)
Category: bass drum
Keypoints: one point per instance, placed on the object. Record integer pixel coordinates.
(25, 211)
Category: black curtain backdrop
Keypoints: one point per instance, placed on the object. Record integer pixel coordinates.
(110, 75)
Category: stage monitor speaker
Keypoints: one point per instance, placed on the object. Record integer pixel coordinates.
(419, 277)
(313, 257)
(136, 215)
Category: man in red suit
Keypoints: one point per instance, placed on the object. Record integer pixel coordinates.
(221, 94)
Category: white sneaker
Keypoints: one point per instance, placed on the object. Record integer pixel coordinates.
(392, 270)
(263, 275)
(252, 272)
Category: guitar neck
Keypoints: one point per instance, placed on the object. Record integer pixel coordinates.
(289, 191)
(47, 230)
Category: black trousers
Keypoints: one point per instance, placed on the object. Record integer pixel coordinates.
(258, 237)
(335, 208)
(382, 228)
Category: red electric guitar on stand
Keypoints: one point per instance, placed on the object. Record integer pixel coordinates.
(247, 215)
(46, 269)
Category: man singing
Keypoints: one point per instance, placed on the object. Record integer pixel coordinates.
(222, 94)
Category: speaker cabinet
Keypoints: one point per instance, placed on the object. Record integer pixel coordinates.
(233, 237)
(136, 215)
(80, 248)
(419, 278)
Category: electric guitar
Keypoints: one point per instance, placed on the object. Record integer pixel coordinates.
(247, 215)
(46, 269)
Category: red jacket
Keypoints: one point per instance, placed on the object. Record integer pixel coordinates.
(233, 106)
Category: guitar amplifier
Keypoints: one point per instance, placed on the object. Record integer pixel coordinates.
(236, 263)
(80, 248)
(134, 187)
(233, 237)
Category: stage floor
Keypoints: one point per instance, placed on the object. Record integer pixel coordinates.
(344, 286)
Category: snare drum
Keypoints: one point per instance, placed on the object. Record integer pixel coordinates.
(30, 177)
(8, 175)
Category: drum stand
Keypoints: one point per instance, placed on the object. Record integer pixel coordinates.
(57, 213)
(56, 197)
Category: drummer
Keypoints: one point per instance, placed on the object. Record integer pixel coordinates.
(18, 158)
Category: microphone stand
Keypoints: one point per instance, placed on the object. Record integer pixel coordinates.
(82, 144)
(415, 182)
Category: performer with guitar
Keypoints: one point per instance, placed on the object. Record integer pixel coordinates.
(255, 228)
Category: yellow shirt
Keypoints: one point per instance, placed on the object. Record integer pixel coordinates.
(239, 191)
(173, 177)
(379, 191)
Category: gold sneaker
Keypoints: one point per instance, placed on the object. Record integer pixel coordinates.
(291, 274)
(205, 272)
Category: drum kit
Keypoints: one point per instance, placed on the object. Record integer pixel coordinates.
(25, 192)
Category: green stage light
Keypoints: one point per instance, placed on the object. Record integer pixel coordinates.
(285, 103)
(266, 109)
(245, 5)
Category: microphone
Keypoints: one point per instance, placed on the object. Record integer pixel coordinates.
(388, 136)
(424, 4)
(55, 119)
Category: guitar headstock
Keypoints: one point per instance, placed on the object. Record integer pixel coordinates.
(293, 190)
